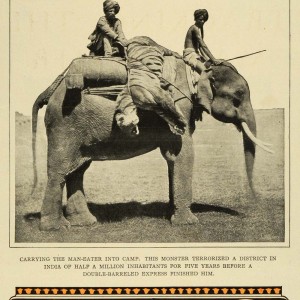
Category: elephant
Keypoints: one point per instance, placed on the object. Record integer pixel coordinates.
(81, 128)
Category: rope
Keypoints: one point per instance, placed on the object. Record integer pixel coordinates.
(112, 91)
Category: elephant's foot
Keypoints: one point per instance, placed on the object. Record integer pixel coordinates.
(49, 223)
(81, 219)
(77, 212)
(184, 217)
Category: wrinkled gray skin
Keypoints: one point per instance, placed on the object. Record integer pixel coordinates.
(81, 129)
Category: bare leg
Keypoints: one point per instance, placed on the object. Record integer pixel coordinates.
(204, 94)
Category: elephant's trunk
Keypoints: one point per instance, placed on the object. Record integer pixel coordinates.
(245, 115)
(249, 150)
(248, 124)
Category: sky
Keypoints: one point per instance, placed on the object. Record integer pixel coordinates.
(45, 35)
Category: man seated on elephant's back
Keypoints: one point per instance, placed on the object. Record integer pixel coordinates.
(108, 33)
(197, 55)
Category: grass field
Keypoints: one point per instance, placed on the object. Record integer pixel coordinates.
(129, 198)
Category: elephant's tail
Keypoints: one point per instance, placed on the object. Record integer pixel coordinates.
(42, 100)
(38, 104)
(35, 111)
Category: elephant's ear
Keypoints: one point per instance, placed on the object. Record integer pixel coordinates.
(224, 64)
(228, 64)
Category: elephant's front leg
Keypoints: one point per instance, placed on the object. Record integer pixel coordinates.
(180, 168)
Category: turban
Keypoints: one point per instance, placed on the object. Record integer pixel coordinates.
(109, 4)
(201, 12)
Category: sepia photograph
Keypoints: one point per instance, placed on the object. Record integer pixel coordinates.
(150, 149)
(149, 123)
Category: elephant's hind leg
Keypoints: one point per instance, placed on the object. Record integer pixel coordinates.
(77, 211)
(51, 213)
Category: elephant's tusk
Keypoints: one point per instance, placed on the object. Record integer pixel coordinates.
(137, 131)
(255, 140)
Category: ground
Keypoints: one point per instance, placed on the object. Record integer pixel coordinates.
(129, 198)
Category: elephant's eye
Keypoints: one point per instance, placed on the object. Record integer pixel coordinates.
(236, 102)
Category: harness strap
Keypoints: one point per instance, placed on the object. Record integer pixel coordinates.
(111, 91)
